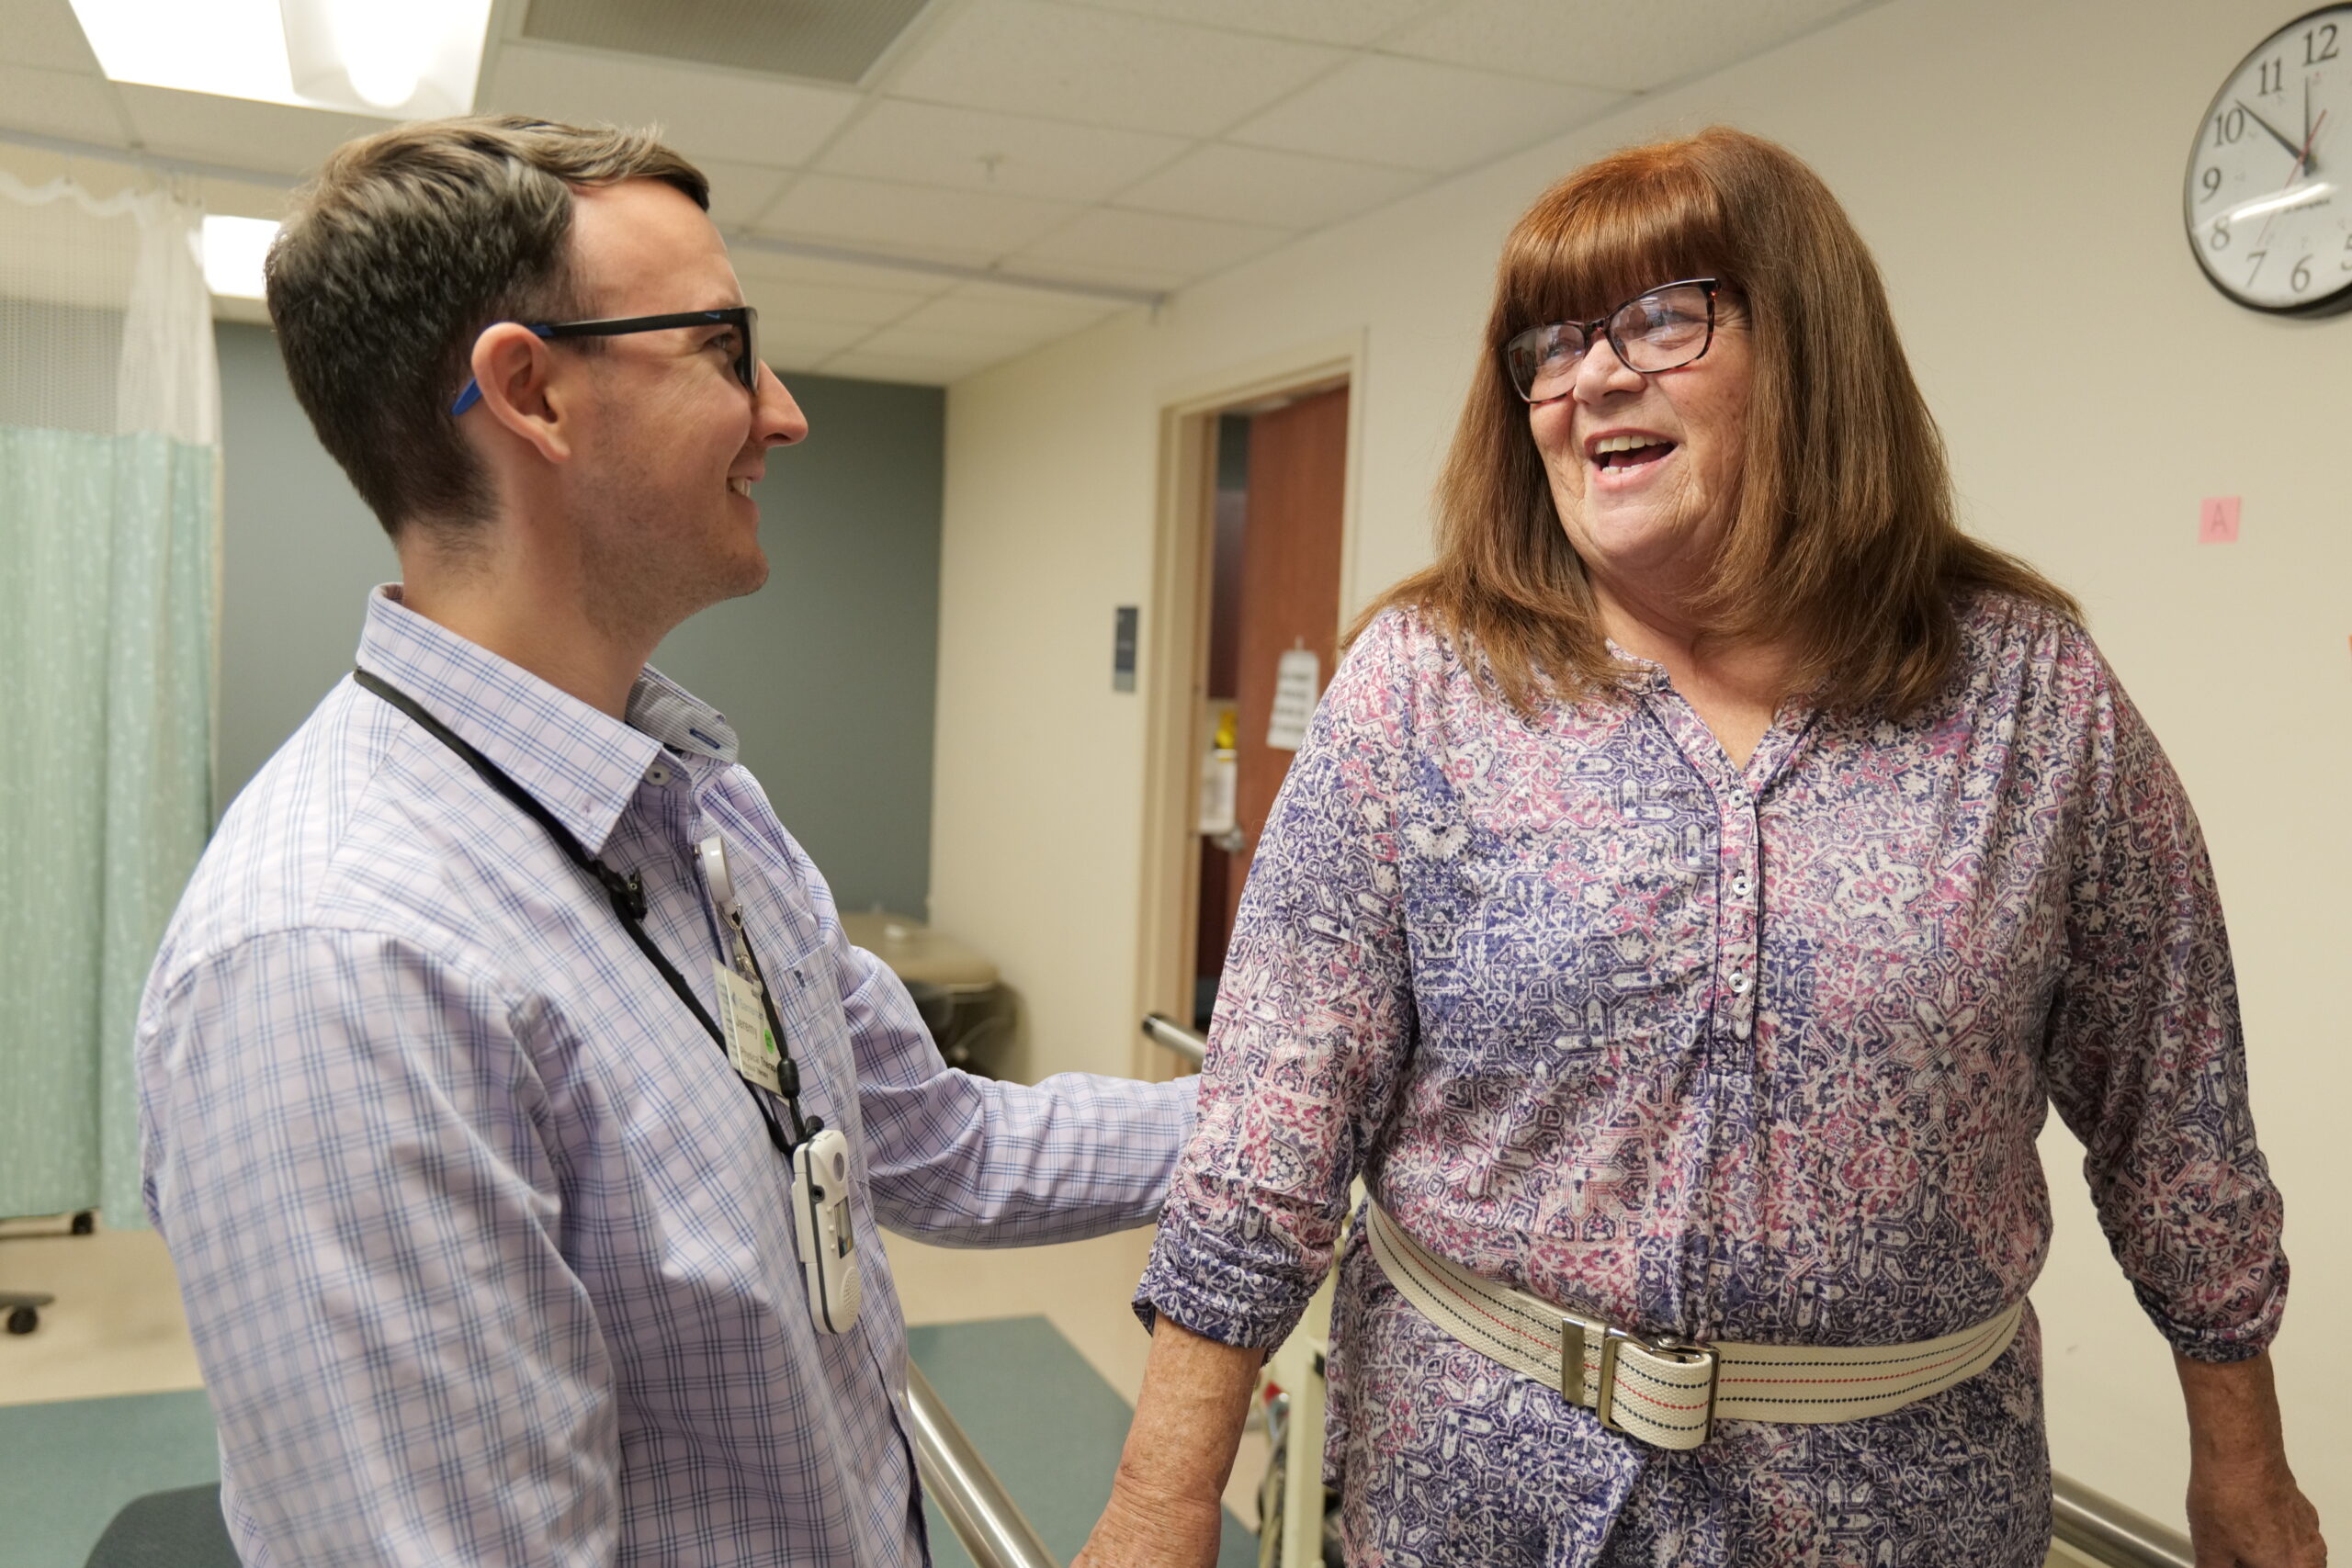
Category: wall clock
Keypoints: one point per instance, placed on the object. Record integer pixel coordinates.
(2267, 199)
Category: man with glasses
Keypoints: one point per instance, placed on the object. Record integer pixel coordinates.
(516, 1114)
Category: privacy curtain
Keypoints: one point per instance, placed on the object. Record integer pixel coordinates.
(109, 517)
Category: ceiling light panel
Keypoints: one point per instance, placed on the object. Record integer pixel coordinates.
(418, 58)
(233, 251)
(1105, 67)
(823, 40)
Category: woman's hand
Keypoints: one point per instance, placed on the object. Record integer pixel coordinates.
(1141, 1530)
(2244, 1509)
(2252, 1517)
(1165, 1507)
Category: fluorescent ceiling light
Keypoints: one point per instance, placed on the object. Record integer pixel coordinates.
(392, 59)
(233, 249)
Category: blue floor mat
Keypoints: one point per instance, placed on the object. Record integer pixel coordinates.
(1045, 1421)
(66, 1468)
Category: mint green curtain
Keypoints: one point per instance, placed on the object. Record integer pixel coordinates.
(106, 594)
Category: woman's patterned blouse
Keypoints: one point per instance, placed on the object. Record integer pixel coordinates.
(1748, 1052)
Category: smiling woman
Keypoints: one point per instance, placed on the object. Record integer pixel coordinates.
(1694, 891)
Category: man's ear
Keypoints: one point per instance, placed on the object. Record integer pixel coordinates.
(515, 370)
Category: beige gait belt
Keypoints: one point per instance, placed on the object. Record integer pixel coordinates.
(1670, 1392)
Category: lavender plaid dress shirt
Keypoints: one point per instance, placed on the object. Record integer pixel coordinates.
(1748, 1052)
(486, 1250)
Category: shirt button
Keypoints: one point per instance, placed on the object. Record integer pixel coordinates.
(1739, 885)
(657, 776)
(1739, 983)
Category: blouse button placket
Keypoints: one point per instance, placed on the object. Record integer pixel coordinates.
(1742, 884)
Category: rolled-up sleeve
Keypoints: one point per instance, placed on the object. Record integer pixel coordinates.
(2145, 1057)
(342, 1149)
(1314, 1016)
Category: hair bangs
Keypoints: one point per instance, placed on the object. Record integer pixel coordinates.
(1614, 230)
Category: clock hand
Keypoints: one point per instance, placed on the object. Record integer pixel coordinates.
(2274, 134)
(2310, 163)
(2302, 162)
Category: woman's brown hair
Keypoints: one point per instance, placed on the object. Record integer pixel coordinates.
(1842, 544)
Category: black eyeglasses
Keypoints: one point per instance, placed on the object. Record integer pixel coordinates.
(743, 317)
(1665, 329)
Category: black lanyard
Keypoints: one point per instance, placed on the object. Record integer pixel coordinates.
(627, 895)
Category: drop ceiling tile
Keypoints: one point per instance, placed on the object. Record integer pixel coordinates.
(44, 34)
(879, 213)
(277, 138)
(793, 340)
(752, 262)
(1255, 184)
(921, 370)
(962, 348)
(60, 103)
(244, 198)
(1606, 44)
(1422, 114)
(1351, 22)
(1155, 243)
(977, 149)
(982, 310)
(1103, 67)
(706, 112)
(739, 192)
(783, 299)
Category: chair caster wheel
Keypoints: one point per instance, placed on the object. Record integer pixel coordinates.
(84, 1222)
(23, 1320)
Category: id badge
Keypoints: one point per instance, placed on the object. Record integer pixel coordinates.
(751, 1045)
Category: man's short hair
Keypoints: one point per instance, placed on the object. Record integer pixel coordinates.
(408, 245)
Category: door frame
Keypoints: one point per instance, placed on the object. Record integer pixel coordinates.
(1175, 652)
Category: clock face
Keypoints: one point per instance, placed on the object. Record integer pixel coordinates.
(2268, 197)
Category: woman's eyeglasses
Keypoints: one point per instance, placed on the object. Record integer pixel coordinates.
(1665, 329)
(743, 317)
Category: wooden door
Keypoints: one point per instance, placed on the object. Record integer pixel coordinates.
(1289, 589)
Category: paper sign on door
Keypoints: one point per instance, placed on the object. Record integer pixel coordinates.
(1297, 683)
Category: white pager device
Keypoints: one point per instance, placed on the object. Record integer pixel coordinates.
(828, 1251)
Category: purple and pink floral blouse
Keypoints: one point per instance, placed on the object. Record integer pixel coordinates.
(1752, 1054)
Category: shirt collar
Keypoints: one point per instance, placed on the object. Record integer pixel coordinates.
(580, 763)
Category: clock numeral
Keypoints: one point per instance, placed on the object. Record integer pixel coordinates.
(2274, 78)
(2255, 257)
(2319, 43)
(2211, 180)
(2228, 127)
(2301, 276)
(2220, 237)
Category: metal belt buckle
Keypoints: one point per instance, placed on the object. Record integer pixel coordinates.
(1573, 1333)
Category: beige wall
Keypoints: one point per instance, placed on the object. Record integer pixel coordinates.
(2017, 165)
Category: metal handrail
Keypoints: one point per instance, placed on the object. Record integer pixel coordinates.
(981, 1513)
(2106, 1531)
(1161, 1029)
(2097, 1526)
